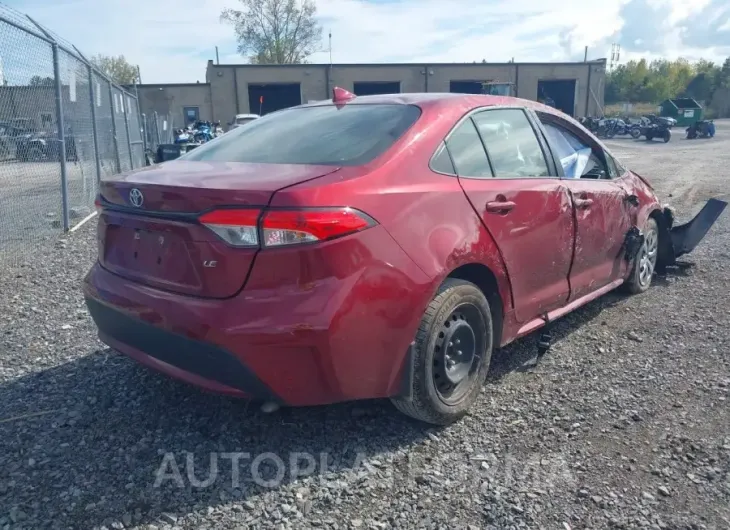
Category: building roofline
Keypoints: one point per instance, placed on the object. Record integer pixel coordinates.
(165, 85)
(396, 65)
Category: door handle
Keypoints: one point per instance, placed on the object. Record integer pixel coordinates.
(500, 206)
(583, 202)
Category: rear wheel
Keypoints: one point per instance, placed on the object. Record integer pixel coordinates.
(453, 349)
(667, 136)
(644, 264)
(635, 133)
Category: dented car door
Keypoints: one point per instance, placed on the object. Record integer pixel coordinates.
(527, 210)
(603, 210)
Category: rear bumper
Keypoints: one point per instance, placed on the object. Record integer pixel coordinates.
(199, 363)
(313, 326)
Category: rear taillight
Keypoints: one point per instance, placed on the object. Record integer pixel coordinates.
(236, 227)
(242, 228)
(288, 227)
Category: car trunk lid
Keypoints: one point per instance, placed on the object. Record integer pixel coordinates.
(149, 230)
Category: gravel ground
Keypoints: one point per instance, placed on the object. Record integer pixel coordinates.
(624, 424)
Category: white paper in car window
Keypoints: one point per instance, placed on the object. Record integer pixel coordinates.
(584, 157)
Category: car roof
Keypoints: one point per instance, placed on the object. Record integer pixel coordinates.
(441, 98)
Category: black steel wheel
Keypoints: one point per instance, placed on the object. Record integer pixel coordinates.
(458, 352)
(453, 349)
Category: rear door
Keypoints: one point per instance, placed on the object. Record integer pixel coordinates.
(503, 170)
(603, 214)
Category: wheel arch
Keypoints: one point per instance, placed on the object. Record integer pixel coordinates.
(487, 282)
(664, 220)
(483, 277)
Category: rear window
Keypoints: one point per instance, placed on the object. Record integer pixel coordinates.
(241, 121)
(349, 136)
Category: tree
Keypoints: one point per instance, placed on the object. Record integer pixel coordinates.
(117, 68)
(723, 75)
(700, 87)
(37, 80)
(276, 31)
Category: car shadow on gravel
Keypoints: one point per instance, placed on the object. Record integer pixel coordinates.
(517, 357)
(83, 443)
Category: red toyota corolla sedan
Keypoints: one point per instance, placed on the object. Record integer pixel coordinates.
(370, 247)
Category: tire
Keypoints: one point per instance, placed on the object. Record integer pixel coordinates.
(635, 133)
(610, 134)
(643, 266)
(667, 136)
(34, 154)
(459, 313)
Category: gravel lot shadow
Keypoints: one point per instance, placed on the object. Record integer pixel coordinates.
(516, 356)
(83, 443)
(78, 440)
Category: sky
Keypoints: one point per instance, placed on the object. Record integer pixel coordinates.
(171, 40)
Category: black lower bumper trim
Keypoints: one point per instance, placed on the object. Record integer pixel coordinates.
(201, 358)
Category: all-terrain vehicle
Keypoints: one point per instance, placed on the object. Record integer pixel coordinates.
(701, 129)
(654, 127)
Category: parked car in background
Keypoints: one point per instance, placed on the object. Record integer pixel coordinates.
(242, 119)
(371, 247)
(42, 146)
(8, 138)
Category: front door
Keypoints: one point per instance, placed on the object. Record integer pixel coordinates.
(603, 214)
(504, 173)
(191, 114)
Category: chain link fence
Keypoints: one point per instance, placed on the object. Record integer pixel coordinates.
(63, 126)
(158, 129)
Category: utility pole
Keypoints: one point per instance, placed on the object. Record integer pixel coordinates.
(615, 55)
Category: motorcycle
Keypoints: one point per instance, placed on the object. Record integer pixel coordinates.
(589, 123)
(617, 127)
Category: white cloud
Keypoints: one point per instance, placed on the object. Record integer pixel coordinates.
(172, 39)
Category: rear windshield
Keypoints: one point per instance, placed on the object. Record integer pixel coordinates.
(349, 136)
(241, 121)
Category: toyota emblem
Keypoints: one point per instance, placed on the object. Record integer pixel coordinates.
(136, 197)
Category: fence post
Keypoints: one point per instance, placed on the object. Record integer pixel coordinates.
(125, 104)
(157, 127)
(140, 118)
(143, 127)
(61, 138)
(94, 132)
(114, 128)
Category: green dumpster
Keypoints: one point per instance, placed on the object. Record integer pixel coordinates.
(685, 110)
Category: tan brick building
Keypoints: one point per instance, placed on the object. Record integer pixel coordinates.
(230, 89)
